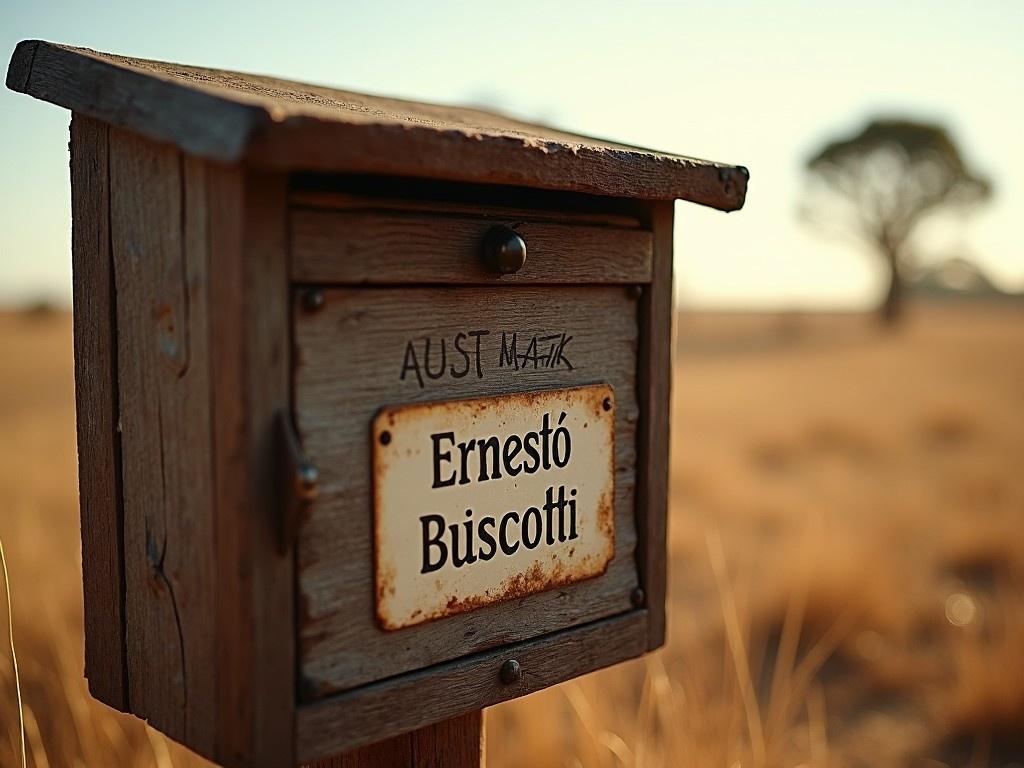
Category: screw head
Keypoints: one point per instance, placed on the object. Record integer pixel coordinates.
(636, 291)
(638, 598)
(313, 299)
(385, 437)
(504, 251)
(308, 475)
(607, 404)
(511, 672)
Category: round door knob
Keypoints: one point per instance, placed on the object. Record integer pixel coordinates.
(504, 251)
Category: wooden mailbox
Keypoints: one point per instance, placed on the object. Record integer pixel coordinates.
(314, 334)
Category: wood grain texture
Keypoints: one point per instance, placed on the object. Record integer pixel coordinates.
(349, 356)
(377, 711)
(96, 408)
(653, 438)
(234, 651)
(268, 392)
(161, 277)
(454, 743)
(255, 622)
(381, 248)
(395, 752)
(111, 90)
(21, 65)
(229, 116)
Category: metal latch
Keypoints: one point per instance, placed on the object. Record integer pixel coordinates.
(298, 482)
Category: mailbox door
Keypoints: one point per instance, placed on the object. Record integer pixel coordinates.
(377, 297)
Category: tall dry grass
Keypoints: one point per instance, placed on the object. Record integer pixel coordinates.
(847, 564)
(847, 557)
(64, 727)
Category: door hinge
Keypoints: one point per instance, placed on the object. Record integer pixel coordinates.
(298, 482)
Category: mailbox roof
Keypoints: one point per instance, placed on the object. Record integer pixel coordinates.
(234, 117)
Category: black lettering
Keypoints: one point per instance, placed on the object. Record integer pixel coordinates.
(459, 560)
(573, 533)
(439, 457)
(530, 443)
(458, 348)
(545, 433)
(549, 358)
(430, 542)
(508, 353)
(561, 435)
(477, 335)
(464, 450)
(549, 512)
(561, 358)
(410, 363)
(530, 355)
(426, 360)
(531, 542)
(509, 455)
(502, 537)
(487, 538)
(495, 448)
(560, 505)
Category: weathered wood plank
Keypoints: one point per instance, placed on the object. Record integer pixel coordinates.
(108, 88)
(454, 743)
(96, 408)
(255, 624)
(268, 392)
(653, 438)
(362, 247)
(368, 714)
(235, 690)
(21, 65)
(160, 270)
(349, 359)
(230, 116)
(396, 751)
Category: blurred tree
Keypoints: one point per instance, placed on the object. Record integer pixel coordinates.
(877, 186)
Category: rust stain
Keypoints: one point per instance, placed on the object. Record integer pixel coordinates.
(521, 585)
(563, 569)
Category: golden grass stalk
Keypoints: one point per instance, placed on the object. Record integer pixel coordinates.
(737, 647)
(14, 655)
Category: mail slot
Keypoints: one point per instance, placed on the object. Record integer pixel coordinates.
(373, 401)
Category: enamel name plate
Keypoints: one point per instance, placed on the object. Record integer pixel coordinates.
(483, 500)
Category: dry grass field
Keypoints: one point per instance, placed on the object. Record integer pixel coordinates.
(847, 558)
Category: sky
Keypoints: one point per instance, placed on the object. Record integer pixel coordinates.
(762, 84)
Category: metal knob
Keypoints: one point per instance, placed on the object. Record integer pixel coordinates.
(511, 672)
(504, 251)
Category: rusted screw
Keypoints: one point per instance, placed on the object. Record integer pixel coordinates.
(307, 477)
(313, 299)
(638, 598)
(385, 437)
(511, 672)
(607, 404)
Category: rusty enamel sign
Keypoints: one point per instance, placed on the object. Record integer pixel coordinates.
(477, 501)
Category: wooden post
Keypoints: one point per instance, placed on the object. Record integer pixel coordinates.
(455, 743)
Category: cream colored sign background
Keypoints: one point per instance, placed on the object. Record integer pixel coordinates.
(403, 479)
